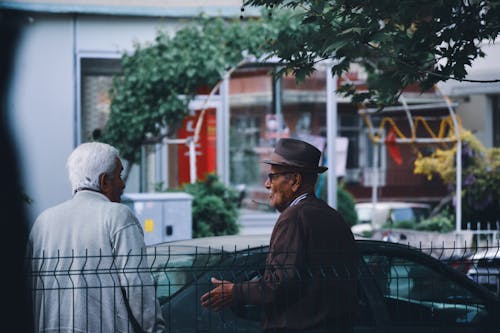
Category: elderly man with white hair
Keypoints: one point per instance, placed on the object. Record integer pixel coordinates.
(89, 270)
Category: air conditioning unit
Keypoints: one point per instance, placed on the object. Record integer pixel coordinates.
(163, 216)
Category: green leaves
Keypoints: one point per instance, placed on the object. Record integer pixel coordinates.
(481, 184)
(398, 42)
(215, 208)
(439, 223)
(160, 78)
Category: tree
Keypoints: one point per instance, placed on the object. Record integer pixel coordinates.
(480, 176)
(215, 207)
(159, 79)
(399, 43)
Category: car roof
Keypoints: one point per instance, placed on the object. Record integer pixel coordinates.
(227, 243)
(392, 204)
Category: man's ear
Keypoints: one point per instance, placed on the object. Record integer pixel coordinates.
(103, 183)
(296, 181)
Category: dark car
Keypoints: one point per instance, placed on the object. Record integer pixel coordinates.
(485, 268)
(400, 288)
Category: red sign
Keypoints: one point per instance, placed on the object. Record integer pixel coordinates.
(205, 147)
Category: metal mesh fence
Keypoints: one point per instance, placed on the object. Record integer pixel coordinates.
(392, 284)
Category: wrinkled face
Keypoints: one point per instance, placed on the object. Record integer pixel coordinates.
(280, 185)
(112, 185)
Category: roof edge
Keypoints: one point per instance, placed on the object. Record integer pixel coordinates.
(177, 12)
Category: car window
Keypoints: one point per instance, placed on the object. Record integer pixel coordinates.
(253, 268)
(174, 268)
(402, 214)
(364, 214)
(408, 214)
(421, 213)
(416, 294)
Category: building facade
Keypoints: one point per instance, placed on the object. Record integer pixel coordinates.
(68, 53)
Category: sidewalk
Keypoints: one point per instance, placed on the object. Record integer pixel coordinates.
(255, 222)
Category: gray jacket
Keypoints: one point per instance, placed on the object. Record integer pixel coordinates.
(89, 270)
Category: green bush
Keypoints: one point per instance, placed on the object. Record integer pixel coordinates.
(400, 225)
(366, 234)
(346, 205)
(215, 208)
(439, 223)
(345, 200)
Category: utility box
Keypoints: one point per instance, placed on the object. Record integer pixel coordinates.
(164, 216)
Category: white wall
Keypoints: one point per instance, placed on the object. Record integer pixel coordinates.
(473, 98)
(43, 93)
(476, 114)
(41, 104)
(118, 34)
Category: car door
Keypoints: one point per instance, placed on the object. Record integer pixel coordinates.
(420, 294)
(246, 318)
(183, 311)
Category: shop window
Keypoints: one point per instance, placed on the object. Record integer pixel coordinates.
(245, 136)
(349, 127)
(367, 159)
(496, 121)
(96, 80)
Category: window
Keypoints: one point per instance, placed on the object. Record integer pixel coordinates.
(496, 121)
(96, 80)
(416, 294)
(349, 127)
(367, 159)
(96, 77)
(409, 214)
(245, 136)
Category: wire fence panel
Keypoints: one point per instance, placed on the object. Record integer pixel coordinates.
(392, 284)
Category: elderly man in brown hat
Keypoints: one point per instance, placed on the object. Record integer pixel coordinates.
(308, 283)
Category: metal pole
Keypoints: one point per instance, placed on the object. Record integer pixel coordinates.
(192, 161)
(458, 161)
(375, 173)
(143, 171)
(159, 175)
(331, 134)
(223, 125)
(458, 175)
(277, 94)
(165, 163)
(458, 214)
(411, 107)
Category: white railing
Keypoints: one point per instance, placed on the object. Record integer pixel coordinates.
(485, 232)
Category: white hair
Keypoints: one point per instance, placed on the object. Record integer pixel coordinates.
(88, 161)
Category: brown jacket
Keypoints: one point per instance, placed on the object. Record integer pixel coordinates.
(308, 280)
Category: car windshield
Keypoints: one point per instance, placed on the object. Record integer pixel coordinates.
(410, 214)
(364, 214)
(402, 214)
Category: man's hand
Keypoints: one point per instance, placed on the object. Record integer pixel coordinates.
(220, 297)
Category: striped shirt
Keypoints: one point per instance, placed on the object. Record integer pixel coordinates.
(298, 199)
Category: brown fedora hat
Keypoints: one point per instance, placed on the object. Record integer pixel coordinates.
(296, 154)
